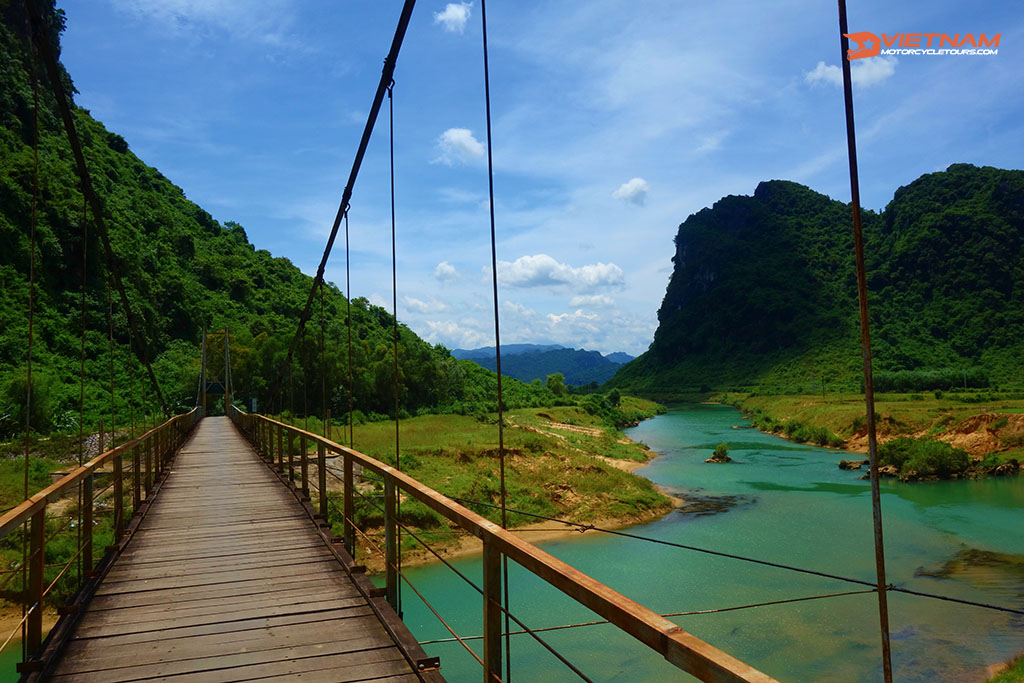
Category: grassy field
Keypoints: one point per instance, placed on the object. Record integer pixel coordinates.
(1013, 673)
(560, 462)
(987, 425)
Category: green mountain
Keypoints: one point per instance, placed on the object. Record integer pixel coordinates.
(182, 269)
(578, 366)
(763, 290)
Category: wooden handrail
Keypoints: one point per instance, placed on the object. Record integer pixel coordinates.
(679, 647)
(24, 511)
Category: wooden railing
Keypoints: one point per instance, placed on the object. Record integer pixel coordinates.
(277, 441)
(148, 457)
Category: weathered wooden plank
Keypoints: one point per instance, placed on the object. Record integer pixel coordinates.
(213, 578)
(343, 668)
(224, 604)
(199, 593)
(271, 558)
(119, 633)
(187, 655)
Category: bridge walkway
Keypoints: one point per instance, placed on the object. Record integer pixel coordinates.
(227, 579)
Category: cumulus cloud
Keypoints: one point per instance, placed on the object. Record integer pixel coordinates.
(265, 22)
(458, 144)
(864, 72)
(633, 191)
(592, 301)
(414, 305)
(455, 335)
(454, 16)
(540, 270)
(446, 272)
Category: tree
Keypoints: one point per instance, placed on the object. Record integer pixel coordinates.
(556, 384)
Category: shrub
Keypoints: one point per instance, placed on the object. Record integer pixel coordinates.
(924, 456)
(721, 450)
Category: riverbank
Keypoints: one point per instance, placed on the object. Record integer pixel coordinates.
(560, 463)
(988, 427)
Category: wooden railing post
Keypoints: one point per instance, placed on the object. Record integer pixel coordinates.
(136, 479)
(349, 506)
(321, 478)
(492, 612)
(304, 467)
(390, 545)
(118, 475)
(87, 524)
(291, 457)
(150, 447)
(280, 448)
(34, 592)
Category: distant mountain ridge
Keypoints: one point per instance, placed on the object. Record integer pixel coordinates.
(763, 290)
(527, 362)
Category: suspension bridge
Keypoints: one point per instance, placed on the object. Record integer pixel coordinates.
(222, 562)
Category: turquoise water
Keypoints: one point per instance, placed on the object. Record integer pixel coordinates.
(781, 502)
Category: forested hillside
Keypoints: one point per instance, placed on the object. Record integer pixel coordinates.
(763, 290)
(182, 270)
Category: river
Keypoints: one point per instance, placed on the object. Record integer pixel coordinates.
(785, 503)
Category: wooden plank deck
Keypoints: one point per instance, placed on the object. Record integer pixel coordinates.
(227, 580)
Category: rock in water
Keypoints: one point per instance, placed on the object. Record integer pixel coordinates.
(852, 464)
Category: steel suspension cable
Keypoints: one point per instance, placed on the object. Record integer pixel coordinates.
(394, 320)
(351, 381)
(110, 324)
(865, 339)
(31, 336)
(81, 374)
(44, 49)
(812, 572)
(497, 332)
(466, 579)
(386, 77)
(323, 366)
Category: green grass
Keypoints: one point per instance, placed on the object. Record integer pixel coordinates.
(898, 414)
(458, 456)
(1014, 673)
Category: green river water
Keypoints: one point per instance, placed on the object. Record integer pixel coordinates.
(785, 503)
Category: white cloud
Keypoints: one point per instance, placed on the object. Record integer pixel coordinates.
(414, 305)
(263, 22)
(446, 272)
(458, 144)
(634, 191)
(455, 336)
(709, 143)
(864, 72)
(454, 16)
(592, 301)
(541, 270)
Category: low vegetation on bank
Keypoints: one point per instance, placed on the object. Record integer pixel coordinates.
(921, 435)
(567, 462)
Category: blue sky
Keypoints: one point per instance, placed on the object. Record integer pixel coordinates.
(613, 121)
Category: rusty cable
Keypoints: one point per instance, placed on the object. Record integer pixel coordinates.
(890, 587)
(373, 546)
(348, 304)
(43, 47)
(671, 614)
(505, 611)
(31, 331)
(387, 74)
(394, 321)
(865, 340)
(497, 335)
